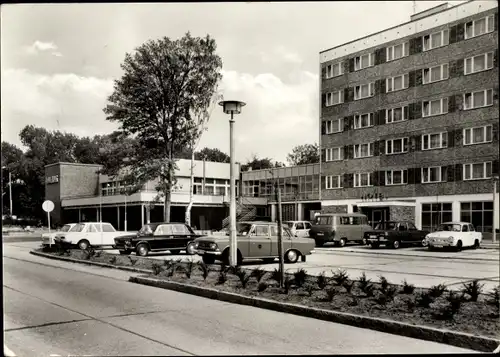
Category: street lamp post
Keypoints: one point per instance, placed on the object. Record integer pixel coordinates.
(232, 107)
(495, 208)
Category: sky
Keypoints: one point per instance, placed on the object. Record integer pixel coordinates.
(59, 61)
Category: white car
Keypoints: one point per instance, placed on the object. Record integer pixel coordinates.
(87, 234)
(454, 234)
(48, 238)
(299, 228)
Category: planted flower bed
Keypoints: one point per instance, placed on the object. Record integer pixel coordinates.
(471, 310)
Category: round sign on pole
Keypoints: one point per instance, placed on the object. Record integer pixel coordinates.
(48, 206)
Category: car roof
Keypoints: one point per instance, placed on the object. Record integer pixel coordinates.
(342, 214)
(94, 223)
(455, 222)
(259, 222)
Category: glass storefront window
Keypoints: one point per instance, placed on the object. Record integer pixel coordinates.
(479, 214)
(434, 214)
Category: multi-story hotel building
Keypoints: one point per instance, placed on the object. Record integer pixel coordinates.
(409, 119)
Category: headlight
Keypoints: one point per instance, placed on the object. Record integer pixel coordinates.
(450, 239)
(386, 234)
(213, 246)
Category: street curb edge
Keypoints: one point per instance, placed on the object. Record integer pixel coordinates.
(105, 265)
(458, 339)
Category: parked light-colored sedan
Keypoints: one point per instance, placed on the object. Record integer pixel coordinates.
(48, 238)
(255, 240)
(299, 228)
(454, 234)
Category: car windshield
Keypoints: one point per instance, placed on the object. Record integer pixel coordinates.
(289, 224)
(77, 228)
(390, 226)
(449, 227)
(242, 229)
(65, 228)
(324, 220)
(146, 229)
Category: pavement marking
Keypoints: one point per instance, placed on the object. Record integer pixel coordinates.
(104, 322)
(7, 352)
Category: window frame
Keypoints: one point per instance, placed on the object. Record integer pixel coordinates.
(357, 147)
(329, 157)
(391, 172)
(487, 26)
(444, 102)
(486, 67)
(371, 90)
(330, 125)
(445, 40)
(357, 178)
(392, 145)
(443, 138)
(330, 71)
(441, 69)
(359, 66)
(406, 83)
(371, 121)
(485, 133)
(391, 111)
(329, 182)
(329, 103)
(485, 170)
(485, 91)
(389, 51)
(440, 170)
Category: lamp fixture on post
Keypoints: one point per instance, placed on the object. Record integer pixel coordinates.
(232, 107)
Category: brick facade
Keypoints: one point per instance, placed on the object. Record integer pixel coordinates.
(453, 122)
(334, 209)
(402, 213)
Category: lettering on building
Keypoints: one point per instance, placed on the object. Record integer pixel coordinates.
(373, 197)
(52, 179)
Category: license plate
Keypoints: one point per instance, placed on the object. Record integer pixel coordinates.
(320, 234)
(438, 245)
(373, 237)
(201, 252)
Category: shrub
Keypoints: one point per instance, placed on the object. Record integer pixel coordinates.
(288, 283)
(473, 289)
(244, 277)
(410, 304)
(408, 288)
(322, 281)
(495, 298)
(309, 288)
(390, 292)
(384, 284)
(330, 294)
(222, 278)
(365, 285)
(381, 299)
(424, 299)
(449, 311)
(132, 260)
(300, 277)
(167, 262)
(353, 302)
(340, 276)
(188, 268)
(205, 270)
(258, 274)
(156, 268)
(262, 286)
(348, 286)
(88, 253)
(437, 290)
(113, 259)
(275, 275)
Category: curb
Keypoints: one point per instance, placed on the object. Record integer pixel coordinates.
(324, 250)
(104, 265)
(458, 339)
(7, 352)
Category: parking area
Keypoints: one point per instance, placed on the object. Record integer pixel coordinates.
(417, 265)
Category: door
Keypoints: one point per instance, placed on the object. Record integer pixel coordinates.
(475, 235)
(182, 235)
(260, 242)
(414, 233)
(300, 229)
(163, 237)
(357, 230)
(403, 234)
(377, 216)
(307, 226)
(287, 241)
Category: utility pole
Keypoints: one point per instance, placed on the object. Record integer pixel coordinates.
(280, 234)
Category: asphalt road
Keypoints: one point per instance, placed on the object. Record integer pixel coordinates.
(59, 308)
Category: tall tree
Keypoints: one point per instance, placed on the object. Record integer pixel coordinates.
(260, 164)
(304, 154)
(214, 155)
(166, 85)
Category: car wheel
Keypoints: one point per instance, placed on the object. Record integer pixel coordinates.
(175, 251)
(319, 243)
(191, 249)
(207, 259)
(396, 244)
(142, 250)
(424, 243)
(83, 244)
(476, 244)
(459, 246)
(342, 242)
(225, 257)
(374, 245)
(125, 252)
(291, 256)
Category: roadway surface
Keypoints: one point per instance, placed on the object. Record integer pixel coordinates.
(59, 308)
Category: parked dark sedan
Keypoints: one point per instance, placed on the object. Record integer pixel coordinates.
(156, 237)
(395, 234)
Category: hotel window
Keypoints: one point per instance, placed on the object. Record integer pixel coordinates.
(334, 98)
(396, 146)
(397, 51)
(433, 174)
(364, 91)
(435, 107)
(433, 214)
(478, 99)
(478, 135)
(434, 141)
(478, 171)
(479, 214)
(435, 74)
(479, 27)
(334, 70)
(362, 180)
(395, 114)
(363, 61)
(363, 121)
(435, 40)
(395, 177)
(397, 83)
(363, 150)
(335, 154)
(334, 126)
(478, 63)
(332, 182)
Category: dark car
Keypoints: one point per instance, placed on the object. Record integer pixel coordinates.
(394, 234)
(156, 237)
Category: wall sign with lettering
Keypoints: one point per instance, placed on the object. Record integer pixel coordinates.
(373, 197)
(52, 179)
